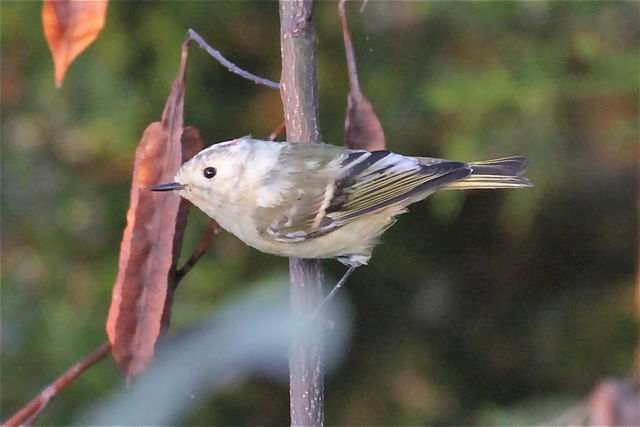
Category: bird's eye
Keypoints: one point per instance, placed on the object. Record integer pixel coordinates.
(209, 172)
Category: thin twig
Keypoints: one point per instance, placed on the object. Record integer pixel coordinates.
(36, 414)
(348, 47)
(199, 251)
(30, 412)
(192, 35)
(333, 291)
(277, 131)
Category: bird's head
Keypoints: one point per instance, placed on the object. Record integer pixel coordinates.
(211, 176)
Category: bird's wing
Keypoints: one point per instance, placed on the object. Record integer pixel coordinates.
(346, 187)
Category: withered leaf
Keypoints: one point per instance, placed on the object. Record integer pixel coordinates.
(148, 251)
(70, 26)
(363, 130)
(191, 145)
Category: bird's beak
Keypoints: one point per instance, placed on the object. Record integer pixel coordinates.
(168, 187)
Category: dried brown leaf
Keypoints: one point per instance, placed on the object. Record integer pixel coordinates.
(363, 130)
(70, 26)
(191, 145)
(148, 251)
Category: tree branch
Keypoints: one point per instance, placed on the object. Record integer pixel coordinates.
(299, 92)
(30, 412)
(276, 133)
(348, 47)
(192, 35)
(199, 251)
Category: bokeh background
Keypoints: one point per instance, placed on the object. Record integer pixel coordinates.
(486, 307)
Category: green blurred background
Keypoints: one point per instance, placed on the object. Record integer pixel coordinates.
(486, 307)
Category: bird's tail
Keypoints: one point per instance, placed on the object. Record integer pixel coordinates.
(498, 173)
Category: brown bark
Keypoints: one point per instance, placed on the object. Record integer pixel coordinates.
(299, 92)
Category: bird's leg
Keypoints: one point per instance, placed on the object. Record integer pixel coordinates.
(338, 285)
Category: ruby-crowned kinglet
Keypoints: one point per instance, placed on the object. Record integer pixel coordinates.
(320, 200)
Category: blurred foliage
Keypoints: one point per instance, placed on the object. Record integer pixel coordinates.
(476, 303)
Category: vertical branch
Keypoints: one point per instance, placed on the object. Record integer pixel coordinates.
(299, 92)
(299, 81)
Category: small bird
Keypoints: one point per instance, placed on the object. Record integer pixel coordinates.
(321, 200)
